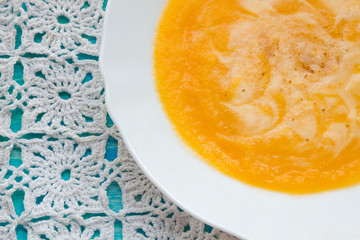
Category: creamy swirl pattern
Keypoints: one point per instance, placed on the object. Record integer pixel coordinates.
(289, 55)
(275, 80)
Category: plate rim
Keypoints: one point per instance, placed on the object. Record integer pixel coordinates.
(141, 164)
(132, 151)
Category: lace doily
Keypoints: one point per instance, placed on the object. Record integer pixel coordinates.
(65, 172)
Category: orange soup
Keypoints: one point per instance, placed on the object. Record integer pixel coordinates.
(266, 91)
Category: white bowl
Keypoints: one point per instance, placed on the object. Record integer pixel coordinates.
(245, 211)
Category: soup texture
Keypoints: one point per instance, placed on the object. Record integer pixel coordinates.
(266, 91)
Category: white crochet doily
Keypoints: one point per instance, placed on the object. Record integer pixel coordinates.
(64, 171)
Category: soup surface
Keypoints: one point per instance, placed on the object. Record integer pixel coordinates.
(266, 91)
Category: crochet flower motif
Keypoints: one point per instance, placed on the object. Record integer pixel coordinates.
(72, 228)
(9, 11)
(64, 96)
(64, 23)
(65, 175)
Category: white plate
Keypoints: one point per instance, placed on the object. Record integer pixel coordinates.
(248, 212)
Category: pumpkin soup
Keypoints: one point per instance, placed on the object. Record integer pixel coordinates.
(266, 91)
